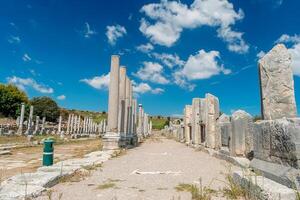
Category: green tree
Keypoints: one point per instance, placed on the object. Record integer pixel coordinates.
(10, 100)
(46, 107)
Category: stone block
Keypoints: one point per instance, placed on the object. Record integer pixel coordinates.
(277, 84)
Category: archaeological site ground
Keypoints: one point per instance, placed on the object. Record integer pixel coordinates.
(150, 100)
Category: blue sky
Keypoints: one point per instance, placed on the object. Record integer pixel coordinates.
(173, 51)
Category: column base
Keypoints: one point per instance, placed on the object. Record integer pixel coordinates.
(111, 141)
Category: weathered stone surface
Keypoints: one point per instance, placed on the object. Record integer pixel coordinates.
(277, 84)
(187, 123)
(32, 184)
(213, 133)
(278, 141)
(263, 188)
(225, 128)
(196, 120)
(241, 140)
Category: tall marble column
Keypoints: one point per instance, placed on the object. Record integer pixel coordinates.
(122, 96)
(111, 138)
(127, 103)
(68, 124)
(140, 121)
(30, 122)
(20, 129)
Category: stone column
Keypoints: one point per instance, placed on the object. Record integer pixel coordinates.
(241, 140)
(127, 104)
(277, 84)
(196, 121)
(112, 137)
(213, 134)
(37, 121)
(122, 97)
(68, 124)
(150, 127)
(131, 110)
(43, 125)
(134, 114)
(30, 122)
(187, 123)
(225, 126)
(140, 121)
(71, 123)
(59, 124)
(20, 129)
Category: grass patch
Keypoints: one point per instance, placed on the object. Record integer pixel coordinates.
(105, 186)
(92, 167)
(13, 139)
(118, 153)
(77, 176)
(197, 192)
(162, 188)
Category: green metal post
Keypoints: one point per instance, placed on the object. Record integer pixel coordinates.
(48, 152)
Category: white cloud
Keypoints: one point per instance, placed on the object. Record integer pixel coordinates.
(169, 60)
(145, 48)
(61, 97)
(113, 33)
(88, 32)
(22, 83)
(142, 88)
(294, 50)
(261, 54)
(288, 39)
(152, 72)
(26, 58)
(172, 17)
(14, 39)
(98, 82)
(203, 65)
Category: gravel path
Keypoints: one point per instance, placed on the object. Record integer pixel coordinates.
(150, 171)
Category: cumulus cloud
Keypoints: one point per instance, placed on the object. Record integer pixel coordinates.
(145, 48)
(261, 54)
(88, 32)
(142, 88)
(153, 72)
(170, 60)
(14, 39)
(285, 38)
(26, 58)
(203, 65)
(170, 18)
(294, 41)
(61, 97)
(113, 33)
(23, 83)
(98, 82)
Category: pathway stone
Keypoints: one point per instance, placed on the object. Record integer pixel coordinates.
(150, 171)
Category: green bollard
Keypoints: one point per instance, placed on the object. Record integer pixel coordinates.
(48, 152)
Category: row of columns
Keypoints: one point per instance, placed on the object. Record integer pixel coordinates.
(122, 119)
(144, 127)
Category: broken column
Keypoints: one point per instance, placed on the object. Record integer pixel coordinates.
(276, 139)
(111, 137)
(213, 135)
(277, 84)
(196, 121)
(30, 122)
(187, 123)
(241, 140)
(225, 128)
